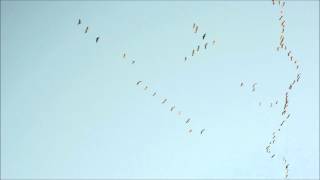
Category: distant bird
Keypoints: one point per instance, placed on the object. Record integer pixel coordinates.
(97, 39)
(124, 55)
(133, 62)
(241, 84)
(277, 102)
(254, 87)
(154, 94)
(291, 58)
(139, 82)
(164, 101)
(297, 67)
(201, 132)
(188, 120)
(288, 116)
(280, 18)
(282, 123)
(172, 108)
(270, 104)
(260, 103)
(205, 45)
(194, 25)
(278, 48)
(192, 52)
(289, 53)
(179, 113)
(79, 21)
(196, 30)
(87, 29)
(190, 130)
(145, 88)
(198, 48)
(203, 36)
(185, 58)
(273, 156)
(213, 42)
(272, 2)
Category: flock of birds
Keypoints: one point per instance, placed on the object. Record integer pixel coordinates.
(282, 46)
(87, 29)
(196, 49)
(164, 100)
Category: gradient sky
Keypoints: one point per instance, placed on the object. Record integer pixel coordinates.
(70, 107)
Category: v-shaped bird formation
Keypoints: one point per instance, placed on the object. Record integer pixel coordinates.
(204, 45)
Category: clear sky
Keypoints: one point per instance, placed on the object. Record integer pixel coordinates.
(70, 107)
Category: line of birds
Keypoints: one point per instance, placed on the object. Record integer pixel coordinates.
(172, 108)
(283, 46)
(195, 28)
(87, 29)
(124, 56)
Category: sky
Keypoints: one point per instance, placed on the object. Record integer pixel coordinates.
(70, 107)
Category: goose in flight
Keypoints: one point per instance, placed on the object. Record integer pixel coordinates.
(97, 39)
(273, 156)
(139, 82)
(133, 62)
(288, 116)
(203, 36)
(213, 42)
(185, 58)
(190, 130)
(188, 120)
(205, 45)
(145, 88)
(154, 94)
(87, 29)
(79, 21)
(254, 87)
(196, 30)
(192, 52)
(198, 48)
(241, 84)
(124, 55)
(194, 25)
(201, 132)
(172, 108)
(164, 101)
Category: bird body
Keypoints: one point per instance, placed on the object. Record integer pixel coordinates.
(203, 36)
(139, 82)
(79, 21)
(97, 39)
(164, 101)
(201, 132)
(87, 29)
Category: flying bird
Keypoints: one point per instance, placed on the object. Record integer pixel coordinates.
(97, 39)
(192, 52)
(124, 55)
(133, 62)
(190, 130)
(288, 116)
(213, 42)
(185, 58)
(273, 156)
(79, 21)
(205, 45)
(203, 36)
(154, 94)
(145, 88)
(196, 30)
(201, 132)
(254, 87)
(188, 120)
(172, 108)
(164, 101)
(87, 29)
(198, 48)
(241, 84)
(139, 82)
(194, 25)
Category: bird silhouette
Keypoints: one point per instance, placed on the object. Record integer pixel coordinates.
(188, 120)
(201, 132)
(203, 36)
(185, 58)
(190, 130)
(198, 48)
(192, 52)
(205, 45)
(139, 82)
(154, 94)
(97, 39)
(241, 84)
(124, 55)
(79, 21)
(87, 29)
(164, 101)
(133, 62)
(145, 88)
(172, 108)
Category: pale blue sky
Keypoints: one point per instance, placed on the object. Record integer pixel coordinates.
(70, 107)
